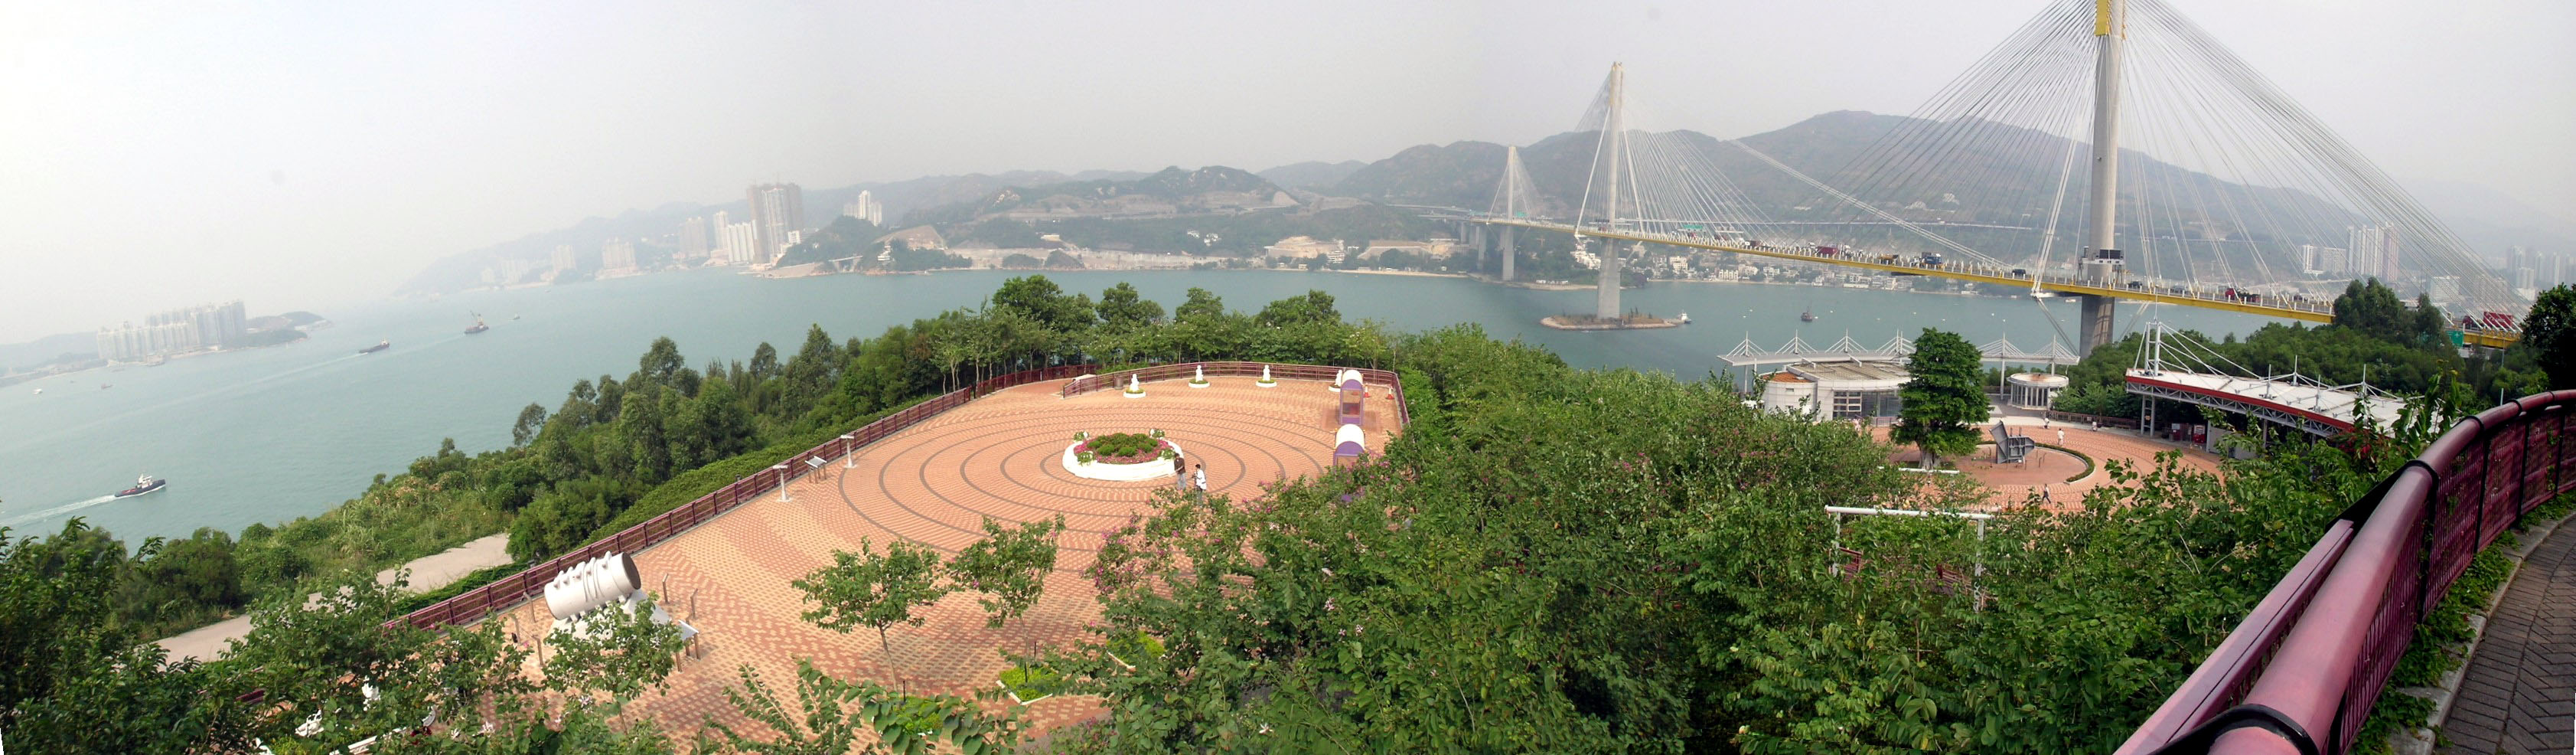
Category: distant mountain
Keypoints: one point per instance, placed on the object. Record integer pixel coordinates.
(20, 356)
(1171, 191)
(1983, 182)
(1311, 174)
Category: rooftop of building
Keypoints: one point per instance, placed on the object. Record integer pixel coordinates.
(1851, 370)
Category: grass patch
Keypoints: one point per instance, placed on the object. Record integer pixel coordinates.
(1031, 684)
(1135, 646)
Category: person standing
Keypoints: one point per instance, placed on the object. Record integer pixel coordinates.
(2061, 437)
(1202, 477)
(1180, 475)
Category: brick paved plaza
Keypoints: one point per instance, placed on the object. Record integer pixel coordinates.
(2014, 483)
(997, 456)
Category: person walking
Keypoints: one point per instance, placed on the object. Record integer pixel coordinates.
(2061, 437)
(1180, 475)
(1202, 477)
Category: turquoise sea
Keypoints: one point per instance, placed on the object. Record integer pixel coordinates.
(276, 433)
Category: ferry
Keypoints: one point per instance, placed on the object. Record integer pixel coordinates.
(142, 485)
(380, 346)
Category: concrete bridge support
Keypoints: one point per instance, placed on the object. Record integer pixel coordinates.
(1476, 238)
(1507, 252)
(1607, 307)
(2093, 327)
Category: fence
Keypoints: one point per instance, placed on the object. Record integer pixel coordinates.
(1185, 370)
(517, 588)
(2301, 672)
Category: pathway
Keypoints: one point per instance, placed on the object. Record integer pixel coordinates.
(2519, 695)
(427, 573)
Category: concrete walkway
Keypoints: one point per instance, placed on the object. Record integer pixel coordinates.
(2519, 694)
(427, 573)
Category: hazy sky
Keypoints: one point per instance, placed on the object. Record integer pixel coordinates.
(306, 155)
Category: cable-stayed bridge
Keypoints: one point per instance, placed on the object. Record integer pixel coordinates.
(2107, 149)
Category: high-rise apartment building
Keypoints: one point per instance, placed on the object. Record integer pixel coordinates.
(865, 207)
(617, 255)
(176, 330)
(741, 244)
(776, 209)
(2374, 251)
(694, 239)
(563, 258)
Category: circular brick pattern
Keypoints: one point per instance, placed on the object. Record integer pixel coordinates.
(934, 484)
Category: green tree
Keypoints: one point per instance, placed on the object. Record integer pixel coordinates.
(872, 590)
(1123, 310)
(2550, 332)
(836, 716)
(1042, 300)
(1313, 308)
(1943, 401)
(618, 651)
(532, 420)
(1009, 566)
(1201, 305)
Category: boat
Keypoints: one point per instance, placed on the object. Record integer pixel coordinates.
(514, 317)
(380, 346)
(478, 325)
(1684, 319)
(1807, 316)
(142, 485)
(40, 391)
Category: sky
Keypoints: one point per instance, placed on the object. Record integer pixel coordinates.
(306, 155)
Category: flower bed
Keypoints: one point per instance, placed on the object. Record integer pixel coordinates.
(1028, 685)
(1123, 448)
(1121, 457)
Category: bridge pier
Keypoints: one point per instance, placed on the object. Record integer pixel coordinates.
(2093, 327)
(1476, 238)
(1507, 252)
(1607, 305)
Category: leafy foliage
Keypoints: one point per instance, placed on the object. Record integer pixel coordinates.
(1009, 566)
(1943, 401)
(874, 590)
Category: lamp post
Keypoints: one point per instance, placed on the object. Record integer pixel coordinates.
(781, 469)
(849, 449)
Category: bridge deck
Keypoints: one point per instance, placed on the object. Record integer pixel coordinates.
(2519, 694)
(2202, 295)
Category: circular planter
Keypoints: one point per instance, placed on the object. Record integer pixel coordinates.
(1196, 384)
(1134, 394)
(1266, 383)
(1152, 469)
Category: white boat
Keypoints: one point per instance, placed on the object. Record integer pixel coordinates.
(1684, 319)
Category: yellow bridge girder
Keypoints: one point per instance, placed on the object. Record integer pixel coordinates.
(2312, 311)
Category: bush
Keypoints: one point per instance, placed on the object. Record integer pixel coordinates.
(1122, 445)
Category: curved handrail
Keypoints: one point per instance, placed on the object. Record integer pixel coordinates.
(1280, 371)
(2314, 655)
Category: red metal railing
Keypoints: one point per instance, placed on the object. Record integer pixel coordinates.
(2301, 672)
(526, 585)
(1184, 370)
(517, 588)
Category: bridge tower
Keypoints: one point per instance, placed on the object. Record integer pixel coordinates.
(1614, 135)
(1509, 204)
(2102, 264)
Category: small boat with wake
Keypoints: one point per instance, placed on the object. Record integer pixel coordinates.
(380, 346)
(142, 485)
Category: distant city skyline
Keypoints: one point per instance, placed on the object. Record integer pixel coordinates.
(344, 147)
